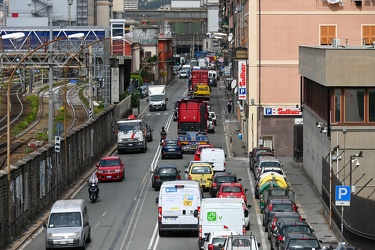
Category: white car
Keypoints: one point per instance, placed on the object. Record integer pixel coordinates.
(210, 126)
(212, 116)
(183, 74)
(217, 238)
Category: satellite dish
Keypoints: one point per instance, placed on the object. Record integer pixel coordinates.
(230, 37)
(233, 84)
(235, 90)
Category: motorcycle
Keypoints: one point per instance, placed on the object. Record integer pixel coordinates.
(163, 136)
(93, 191)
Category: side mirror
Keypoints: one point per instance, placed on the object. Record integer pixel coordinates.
(151, 171)
(246, 189)
(249, 206)
(97, 165)
(166, 99)
(87, 224)
(157, 200)
(239, 179)
(44, 225)
(147, 100)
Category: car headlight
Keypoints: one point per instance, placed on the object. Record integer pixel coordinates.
(49, 236)
(100, 171)
(77, 235)
(117, 171)
(140, 143)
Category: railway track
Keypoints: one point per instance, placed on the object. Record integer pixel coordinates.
(21, 144)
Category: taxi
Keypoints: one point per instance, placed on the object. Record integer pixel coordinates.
(202, 172)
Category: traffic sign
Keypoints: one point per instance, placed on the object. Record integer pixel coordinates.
(342, 196)
(242, 91)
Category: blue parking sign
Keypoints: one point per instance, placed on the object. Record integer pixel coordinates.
(342, 196)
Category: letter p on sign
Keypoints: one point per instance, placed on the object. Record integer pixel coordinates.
(342, 196)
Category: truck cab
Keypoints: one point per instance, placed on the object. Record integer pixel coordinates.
(131, 135)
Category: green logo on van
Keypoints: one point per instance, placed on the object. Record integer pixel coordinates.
(211, 216)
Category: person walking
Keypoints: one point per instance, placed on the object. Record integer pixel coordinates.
(229, 106)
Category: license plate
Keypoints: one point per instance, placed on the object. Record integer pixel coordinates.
(130, 144)
(63, 242)
(172, 149)
(202, 181)
(170, 219)
(109, 177)
(232, 196)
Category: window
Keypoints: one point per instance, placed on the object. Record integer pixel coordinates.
(354, 105)
(371, 105)
(327, 33)
(368, 34)
(148, 54)
(337, 106)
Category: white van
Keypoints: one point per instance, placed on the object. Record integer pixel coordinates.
(217, 214)
(178, 201)
(216, 156)
(68, 224)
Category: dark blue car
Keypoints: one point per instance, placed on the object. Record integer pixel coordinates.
(171, 148)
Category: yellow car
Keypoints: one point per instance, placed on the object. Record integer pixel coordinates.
(202, 172)
(201, 91)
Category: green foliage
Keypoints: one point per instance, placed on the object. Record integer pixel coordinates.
(151, 59)
(41, 136)
(33, 102)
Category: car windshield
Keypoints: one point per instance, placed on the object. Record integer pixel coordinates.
(201, 170)
(279, 171)
(108, 163)
(126, 127)
(157, 98)
(241, 243)
(71, 219)
(231, 189)
(224, 179)
(304, 244)
(167, 171)
(270, 164)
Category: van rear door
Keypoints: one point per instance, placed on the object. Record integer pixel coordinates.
(179, 203)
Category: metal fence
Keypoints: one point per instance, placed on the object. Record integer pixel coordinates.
(43, 176)
(356, 220)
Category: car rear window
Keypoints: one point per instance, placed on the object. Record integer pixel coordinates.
(201, 170)
(171, 143)
(224, 179)
(296, 229)
(270, 164)
(231, 189)
(167, 171)
(282, 207)
(301, 243)
(278, 171)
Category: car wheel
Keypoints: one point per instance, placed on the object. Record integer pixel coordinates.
(83, 245)
(248, 227)
(256, 195)
(181, 156)
(161, 233)
(162, 157)
(89, 239)
(263, 223)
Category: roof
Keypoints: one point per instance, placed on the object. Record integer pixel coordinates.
(302, 236)
(231, 184)
(222, 200)
(64, 205)
(166, 166)
(111, 157)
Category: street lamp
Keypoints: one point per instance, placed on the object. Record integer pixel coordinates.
(139, 81)
(12, 36)
(65, 89)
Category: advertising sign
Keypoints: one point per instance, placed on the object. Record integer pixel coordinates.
(282, 111)
(242, 71)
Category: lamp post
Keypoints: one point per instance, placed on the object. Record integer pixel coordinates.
(139, 81)
(65, 89)
(12, 36)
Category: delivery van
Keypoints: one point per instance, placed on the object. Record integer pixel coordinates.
(218, 214)
(178, 201)
(68, 225)
(216, 156)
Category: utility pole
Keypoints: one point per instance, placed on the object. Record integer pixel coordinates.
(51, 111)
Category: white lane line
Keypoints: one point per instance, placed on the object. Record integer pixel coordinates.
(153, 237)
(97, 225)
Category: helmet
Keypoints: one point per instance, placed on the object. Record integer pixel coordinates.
(162, 128)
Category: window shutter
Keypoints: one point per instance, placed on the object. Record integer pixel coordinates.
(368, 34)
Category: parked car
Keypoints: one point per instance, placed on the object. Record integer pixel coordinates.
(171, 148)
(278, 170)
(149, 136)
(220, 178)
(143, 91)
(266, 161)
(285, 227)
(212, 116)
(110, 168)
(306, 241)
(198, 151)
(232, 190)
(252, 154)
(344, 246)
(164, 173)
(277, 205)
(282, 216)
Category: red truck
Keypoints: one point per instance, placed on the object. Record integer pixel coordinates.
(192, 124)
(198, 76)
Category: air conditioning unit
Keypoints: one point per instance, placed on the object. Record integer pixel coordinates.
(335, 43)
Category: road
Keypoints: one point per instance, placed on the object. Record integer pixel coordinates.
(125, 216)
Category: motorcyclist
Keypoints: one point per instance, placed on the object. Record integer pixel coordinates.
(94, 180)
(163, 134)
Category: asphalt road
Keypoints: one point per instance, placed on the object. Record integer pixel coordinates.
(125, 216)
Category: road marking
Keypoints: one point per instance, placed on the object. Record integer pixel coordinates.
(153, 237)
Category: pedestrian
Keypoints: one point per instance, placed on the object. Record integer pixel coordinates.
(229, 106)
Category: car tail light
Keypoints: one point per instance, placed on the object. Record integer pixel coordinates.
(211, 247)
(189, 177)
(160, 213)
(279, 238)
(270, 207)
(157, 177)
(200, 231)
(244, 230)
(214, 184)
(178, 177)
(294, 207)
(273, 224)
(225, 164)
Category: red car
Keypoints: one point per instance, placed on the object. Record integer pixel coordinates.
(232, 190)
(197, 155)
(110, 168)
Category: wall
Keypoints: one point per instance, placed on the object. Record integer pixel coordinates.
(41, 177)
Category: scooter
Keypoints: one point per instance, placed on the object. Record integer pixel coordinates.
(93, 191)
(162, 138)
